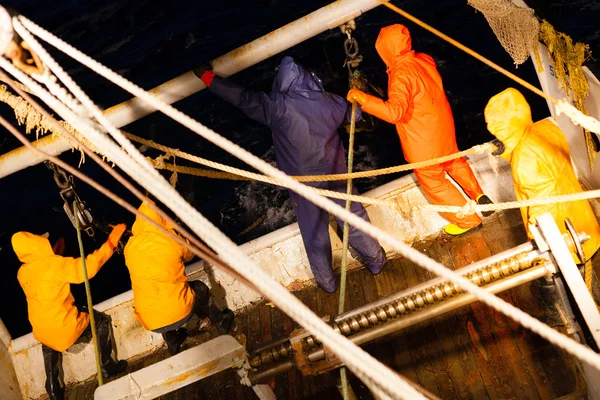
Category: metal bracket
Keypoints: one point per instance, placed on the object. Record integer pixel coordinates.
(570, 273)
(304, 364)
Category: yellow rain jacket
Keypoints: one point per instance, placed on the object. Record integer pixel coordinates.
(541, 165)
(161, 293)
(45, 279)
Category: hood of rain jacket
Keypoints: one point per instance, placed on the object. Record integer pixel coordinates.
(417, 103)
(393, 43)
(303, 118)
(508, 117)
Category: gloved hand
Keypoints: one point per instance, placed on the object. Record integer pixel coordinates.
(115, 235)
(357, 95)
(205, 73)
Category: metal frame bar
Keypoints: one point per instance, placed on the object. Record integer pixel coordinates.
(570, 273)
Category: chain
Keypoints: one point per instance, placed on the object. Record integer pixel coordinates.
(81, 216)
(351, 48)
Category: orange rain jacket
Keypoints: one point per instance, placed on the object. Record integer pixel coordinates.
(541, 165)
(45, 279)
(418, 106)
(161, 293)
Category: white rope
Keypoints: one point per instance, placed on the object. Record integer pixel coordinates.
(373, 371)
(365, 366)
(86, 103)
(578, 118)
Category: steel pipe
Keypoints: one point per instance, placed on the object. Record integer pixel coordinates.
(328, 17)
(410, 300)
(497, 258)
(417, 317)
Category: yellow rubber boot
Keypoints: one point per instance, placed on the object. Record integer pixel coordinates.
(455, 230)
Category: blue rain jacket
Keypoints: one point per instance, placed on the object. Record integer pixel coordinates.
(304, 120)
(302, 116)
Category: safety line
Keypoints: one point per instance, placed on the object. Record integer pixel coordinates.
(236, 172)
(346, 232)
(88, 295)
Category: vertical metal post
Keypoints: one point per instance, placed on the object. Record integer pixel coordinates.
(571, 274)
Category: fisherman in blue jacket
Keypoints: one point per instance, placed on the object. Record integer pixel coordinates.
(304, 120)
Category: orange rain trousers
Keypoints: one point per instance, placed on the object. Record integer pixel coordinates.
(418, 106)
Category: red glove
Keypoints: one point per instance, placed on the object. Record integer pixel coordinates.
(115, 235)
(207, 77)
(356, 95)
(205, 73)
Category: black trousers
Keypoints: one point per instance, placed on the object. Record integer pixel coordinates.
(200, 307)
(53, 359)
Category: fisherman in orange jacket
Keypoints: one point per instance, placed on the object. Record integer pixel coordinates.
(418, 106)
(541, 166)
(163, 298)
(57, 323)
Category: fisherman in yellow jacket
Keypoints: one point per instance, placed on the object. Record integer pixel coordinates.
(57, 323)
(163, 298)
(541, 165)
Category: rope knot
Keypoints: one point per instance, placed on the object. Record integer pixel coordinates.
(160, 161)
(467, 209)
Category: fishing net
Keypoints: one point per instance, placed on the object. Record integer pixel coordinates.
(516, 28)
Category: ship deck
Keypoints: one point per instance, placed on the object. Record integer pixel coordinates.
(471, 353)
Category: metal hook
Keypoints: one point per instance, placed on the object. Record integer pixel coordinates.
(351, 47)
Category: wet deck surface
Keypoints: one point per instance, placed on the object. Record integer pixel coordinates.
(472, 353)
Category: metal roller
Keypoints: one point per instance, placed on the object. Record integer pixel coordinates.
(414, 299)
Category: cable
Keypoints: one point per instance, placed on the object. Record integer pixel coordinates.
(88, 295)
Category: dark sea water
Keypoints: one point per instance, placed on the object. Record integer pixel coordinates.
(150, 42)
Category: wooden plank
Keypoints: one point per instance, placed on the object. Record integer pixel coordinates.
(523, 339)
(508, 340)
(254, 334)
(467, 334)
(486, 342)
(280, 384)
(521, 295)
(559, 373)
(434, 350)
(313, 384)
(481, 332)
(400, 341)
(383, 282)
(462, 366)
(417, 345)
(355, 293)
(370, 288)
(464, 369)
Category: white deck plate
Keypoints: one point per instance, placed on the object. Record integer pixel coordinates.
(176, 372)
